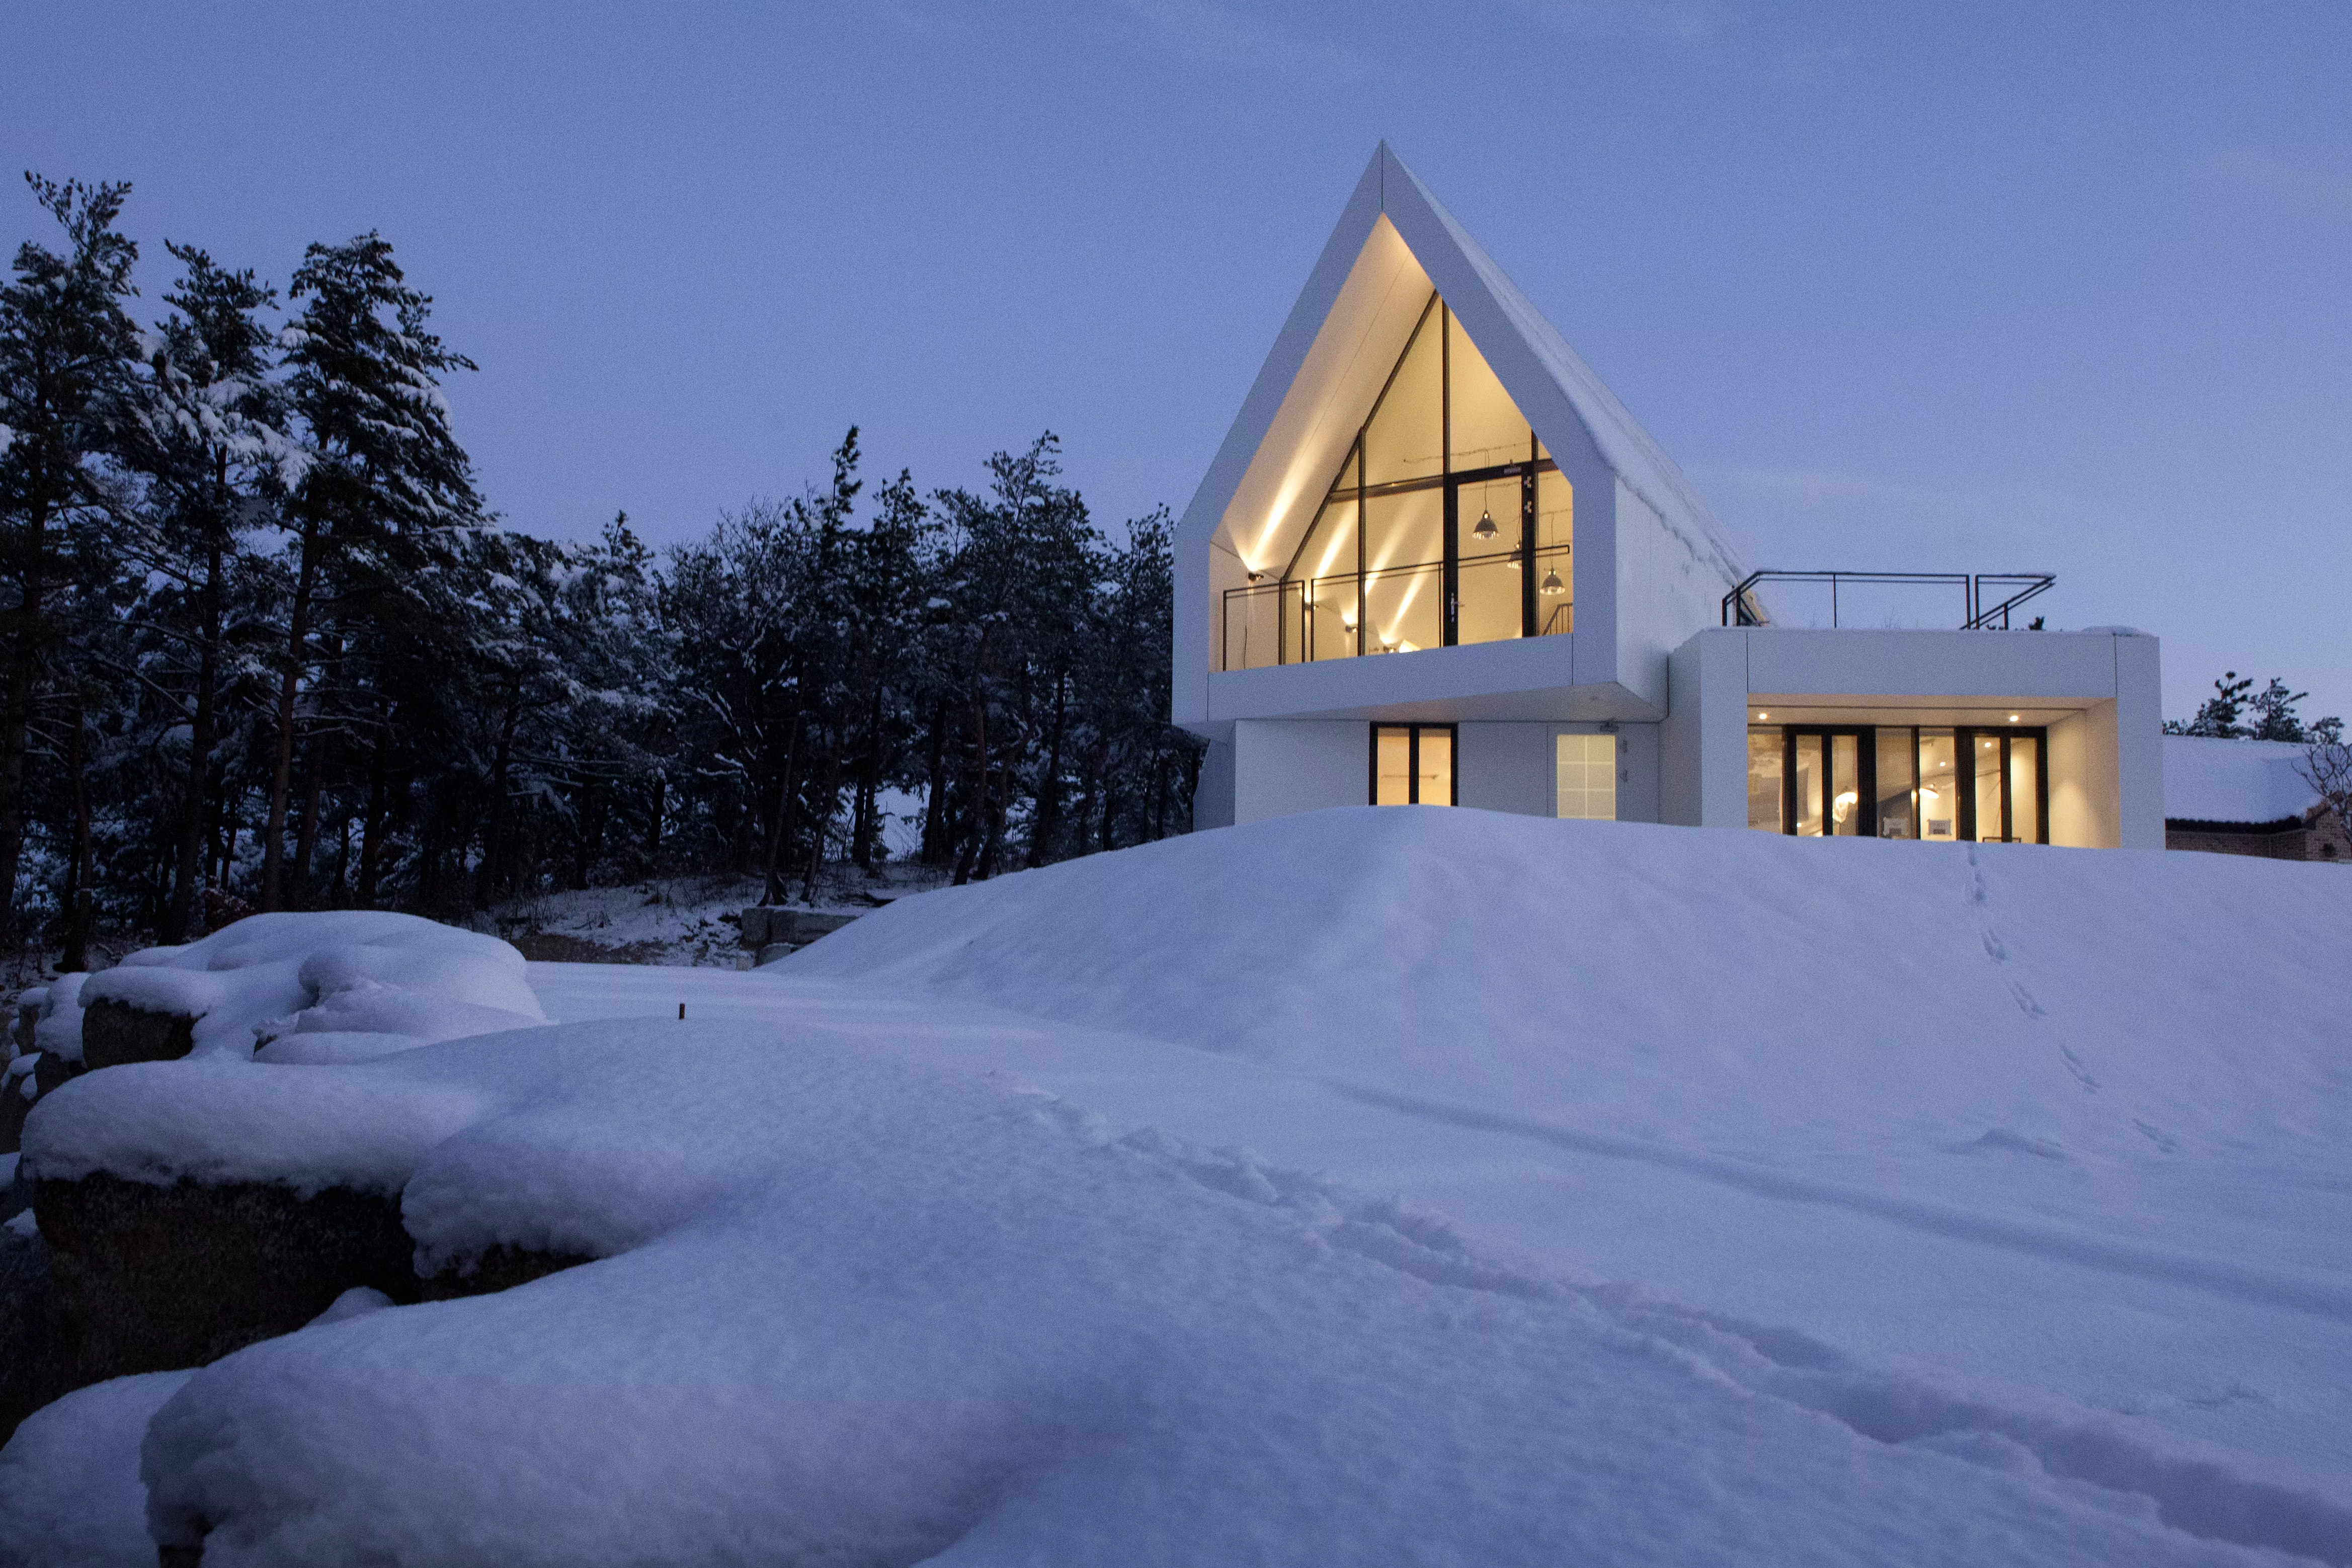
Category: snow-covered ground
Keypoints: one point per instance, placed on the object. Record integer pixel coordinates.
(683, 920)
(1411, 1185)
(2051, 1146)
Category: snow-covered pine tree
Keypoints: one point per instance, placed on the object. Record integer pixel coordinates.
(376, 516)
(68, 346)
(2218, 716)
(210, 441)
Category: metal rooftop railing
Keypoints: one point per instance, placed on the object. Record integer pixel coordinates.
(1740, 607)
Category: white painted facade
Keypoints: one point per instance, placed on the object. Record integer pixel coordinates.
(1646, 661)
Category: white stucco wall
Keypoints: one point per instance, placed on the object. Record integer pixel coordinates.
(1212, 796)
(2139, 725)
(1507, 768)
(1282, 766)
(1703, 763)
(2085, 807)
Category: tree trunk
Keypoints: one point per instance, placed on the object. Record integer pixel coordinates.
(180, 918)
(831, 796)
(289, 681)
(583, 854)
(772, 887)
(17, 722)
(935, 802)
(653, 826)
(866, 825)
(372, 848)
(1045, 837)
(967, 860)
(224, 839)
(342, 860)
(78, 901)
(306, 834)
(486, 884)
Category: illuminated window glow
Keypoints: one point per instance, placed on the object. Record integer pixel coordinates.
(1585, 776)
(1447, 523)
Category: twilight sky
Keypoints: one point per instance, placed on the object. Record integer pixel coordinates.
(2055, 287)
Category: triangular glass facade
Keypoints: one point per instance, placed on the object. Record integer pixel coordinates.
(1448, 522)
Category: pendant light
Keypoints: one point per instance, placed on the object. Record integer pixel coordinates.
(1551, 584)
(1486, 528)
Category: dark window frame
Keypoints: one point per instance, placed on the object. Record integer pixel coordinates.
(1413, 762)
(1448, 478)
(1964, 740)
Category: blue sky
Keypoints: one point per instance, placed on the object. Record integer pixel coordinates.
(2043, 287)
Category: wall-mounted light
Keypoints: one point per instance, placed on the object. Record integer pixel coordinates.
(1486, 528)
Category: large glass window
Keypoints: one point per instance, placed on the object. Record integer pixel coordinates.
(1404, 441)
(1899, 781)
(1984, 760)
(1484, 427)
(1845, 813)
(1404, 572)
(1939, 788)
(1585, 771)
(1897, 784)
(1766, 782)
(1446, 524)
(2025, 788)
(1412, 765)
(1807, 774)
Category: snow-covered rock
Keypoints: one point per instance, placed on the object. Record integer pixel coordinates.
(69, 1490)
(330, 987)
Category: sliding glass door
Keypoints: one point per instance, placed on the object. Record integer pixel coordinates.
(1899, 781)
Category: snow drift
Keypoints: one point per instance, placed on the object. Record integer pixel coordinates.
(856, 1310)
(1655, 980)
(860, 1296)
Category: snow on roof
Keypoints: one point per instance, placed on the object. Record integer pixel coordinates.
(2213, 780)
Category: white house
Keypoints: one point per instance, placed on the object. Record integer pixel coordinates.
(1436, 560)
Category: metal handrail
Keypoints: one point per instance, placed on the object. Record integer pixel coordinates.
(1311, 593)
(1740, 609)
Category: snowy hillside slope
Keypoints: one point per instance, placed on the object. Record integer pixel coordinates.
(1662, 979)
(855, 1309)
(2054, 1132)
(1400, 1187)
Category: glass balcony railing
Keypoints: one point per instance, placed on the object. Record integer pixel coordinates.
(1395, 610)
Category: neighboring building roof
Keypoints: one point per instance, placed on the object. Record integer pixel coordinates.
(2249, 781)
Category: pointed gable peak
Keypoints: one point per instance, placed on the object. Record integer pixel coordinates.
(1394, 246)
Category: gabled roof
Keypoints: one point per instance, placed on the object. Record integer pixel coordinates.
(1449, 254)
(1393, 244)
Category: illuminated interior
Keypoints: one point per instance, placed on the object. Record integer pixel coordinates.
(1585, 776)
(1412, 765)
(1447, 523)
(1939, 784)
